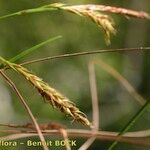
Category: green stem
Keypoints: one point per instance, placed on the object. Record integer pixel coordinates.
(131, 123)
(28, 11)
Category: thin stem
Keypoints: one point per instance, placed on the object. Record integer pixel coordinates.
(109, 69)
(140, 49)
(136, 134)
(95, 106)
(94, 95)
(101, 135)
(28, 11)
(65, 136)
(26, 107)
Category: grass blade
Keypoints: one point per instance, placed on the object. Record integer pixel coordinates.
(131, 123)
(32, 49)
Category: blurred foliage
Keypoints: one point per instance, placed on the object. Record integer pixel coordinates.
(70, 75)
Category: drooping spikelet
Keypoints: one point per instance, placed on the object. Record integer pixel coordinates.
(103, 21)
(51, 95)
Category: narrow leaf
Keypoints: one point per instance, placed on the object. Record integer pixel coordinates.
(131, 122)
(32, 49)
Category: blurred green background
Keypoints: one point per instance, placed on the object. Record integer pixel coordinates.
(70, 75)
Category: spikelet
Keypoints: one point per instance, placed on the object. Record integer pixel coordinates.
(103, 21)
(51, 95)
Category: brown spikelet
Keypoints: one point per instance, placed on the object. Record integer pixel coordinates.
(103, 21)
(116, 10)
(51, 95)
(93, 12)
